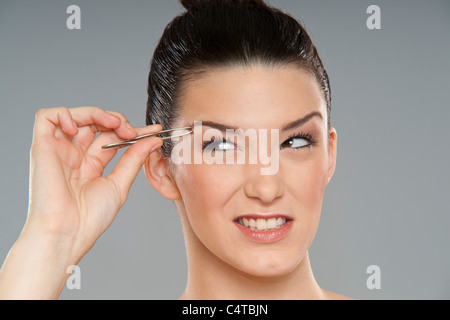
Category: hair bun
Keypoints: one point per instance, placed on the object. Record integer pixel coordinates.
(195, 4)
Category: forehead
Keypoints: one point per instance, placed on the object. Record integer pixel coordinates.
(255, 96)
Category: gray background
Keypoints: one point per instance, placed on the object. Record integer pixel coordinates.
(387, 203)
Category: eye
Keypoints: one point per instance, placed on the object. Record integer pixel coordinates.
(298, 141)
(218, 145)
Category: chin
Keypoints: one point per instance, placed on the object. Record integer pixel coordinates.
(270, 266)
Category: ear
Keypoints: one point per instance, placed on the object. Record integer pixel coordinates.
(157, 171)
(332, 152)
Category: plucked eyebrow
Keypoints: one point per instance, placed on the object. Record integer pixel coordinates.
(289, 126)
(299, 122)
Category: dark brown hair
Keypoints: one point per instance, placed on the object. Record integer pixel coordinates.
(224, 33)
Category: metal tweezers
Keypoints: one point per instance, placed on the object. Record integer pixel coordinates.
(132, 141)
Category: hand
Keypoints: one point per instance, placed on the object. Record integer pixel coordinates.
(69, 198)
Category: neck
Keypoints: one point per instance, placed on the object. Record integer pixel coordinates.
(211, 278)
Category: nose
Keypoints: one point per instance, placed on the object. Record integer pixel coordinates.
(266, 188)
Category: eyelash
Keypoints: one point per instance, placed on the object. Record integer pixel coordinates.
(301, 135)
(213, 139)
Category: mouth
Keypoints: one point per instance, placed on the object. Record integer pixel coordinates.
(265, 229)
(262, 224)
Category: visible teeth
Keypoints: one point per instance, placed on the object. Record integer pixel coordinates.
(281, 221)
(272, 223)
(262, 224)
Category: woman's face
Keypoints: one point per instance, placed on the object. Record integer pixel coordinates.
(217, 199)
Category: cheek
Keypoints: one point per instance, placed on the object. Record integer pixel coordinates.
(205, 189)
(311, 184)
(308, 176)
(306, 188)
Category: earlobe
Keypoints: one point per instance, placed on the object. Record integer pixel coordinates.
(156, 171)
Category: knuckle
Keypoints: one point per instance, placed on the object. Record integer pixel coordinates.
(44, 111)
(91, 109)
(62, 110)
(118, 114)
(40, 112)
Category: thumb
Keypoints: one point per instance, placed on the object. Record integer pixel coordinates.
(129, 165)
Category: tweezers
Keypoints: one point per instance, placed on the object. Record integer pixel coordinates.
(132, 141)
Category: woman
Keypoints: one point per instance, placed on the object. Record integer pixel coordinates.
(225, 64)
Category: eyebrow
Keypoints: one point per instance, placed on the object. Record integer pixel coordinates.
(299, 122)
(289, 126)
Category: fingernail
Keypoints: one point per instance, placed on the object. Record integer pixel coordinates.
(75, 126)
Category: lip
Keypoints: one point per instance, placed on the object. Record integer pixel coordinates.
(267, 236)
(264, 216)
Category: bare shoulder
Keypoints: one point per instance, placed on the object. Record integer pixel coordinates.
(328, 295)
